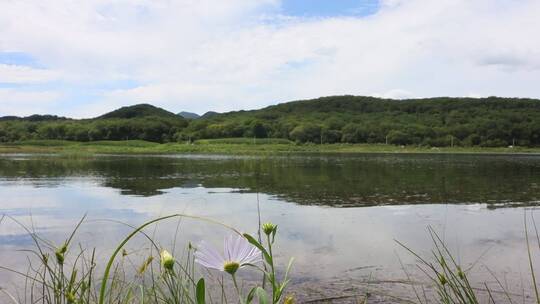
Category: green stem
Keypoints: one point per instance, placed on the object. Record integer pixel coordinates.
(111, 259)
(103, 287)
(240, 299)
(273, 272)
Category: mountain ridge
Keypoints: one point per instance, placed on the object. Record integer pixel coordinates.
(441, 121)
(150, 110)
(138, 110)
(189, 115)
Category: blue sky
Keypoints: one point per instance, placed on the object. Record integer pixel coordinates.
(86, 58)
(18, 58)
(329, 8)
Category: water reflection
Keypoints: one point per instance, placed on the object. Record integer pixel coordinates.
(300, 193)
(338, 181)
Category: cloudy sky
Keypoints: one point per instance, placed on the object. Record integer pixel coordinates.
(84, 58)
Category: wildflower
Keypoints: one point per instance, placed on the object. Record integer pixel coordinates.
(70, 297)
(60, 252)
(59, 257)
(443, 262)
(289, 300)
(145, 265)
(238, 252)
(167, 260)
(63, 248)
(460, 273)
(231, 267)
(268, 228)
(442, 279)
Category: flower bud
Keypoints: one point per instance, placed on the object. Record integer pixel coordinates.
(60, 252)
(59, 257)
(289, 300)
(443, 262)
(268, 228)
(145, 265)
(70, 297)
(167, 260)
(460, 273)
(63, 248)
(442, 279)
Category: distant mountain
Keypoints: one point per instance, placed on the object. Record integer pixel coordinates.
(140, 110)
(138, 122)
(209, 114)
(189, 115)
(8, 118)
(435, 122)
(34, 118)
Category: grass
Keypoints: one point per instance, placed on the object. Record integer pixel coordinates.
(446, 275)
(245, 141)
(450, 280)
(67, 274)
(231, 146)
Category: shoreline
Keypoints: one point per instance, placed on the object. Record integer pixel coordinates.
(135, 147)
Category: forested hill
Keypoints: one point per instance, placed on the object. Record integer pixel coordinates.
(142, 121)
(138, 111)
(354, 119)
(351, 119)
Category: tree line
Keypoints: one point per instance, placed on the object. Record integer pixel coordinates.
(433, 122)
(351, 119)
(151, 128)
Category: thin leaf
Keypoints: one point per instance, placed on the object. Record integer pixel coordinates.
(261, 295)
(254, 242)
(250, 295)
(201, 292)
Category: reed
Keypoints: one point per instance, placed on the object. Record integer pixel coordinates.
(67, 274)
(450, 281)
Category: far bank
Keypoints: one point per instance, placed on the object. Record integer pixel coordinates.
(235, 146)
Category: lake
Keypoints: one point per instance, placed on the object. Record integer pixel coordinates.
(338, 215)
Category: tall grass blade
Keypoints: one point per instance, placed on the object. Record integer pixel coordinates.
(533, 275)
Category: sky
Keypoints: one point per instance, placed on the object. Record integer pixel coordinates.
(84, 58)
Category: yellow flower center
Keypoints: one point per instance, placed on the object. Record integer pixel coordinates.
(231, 267)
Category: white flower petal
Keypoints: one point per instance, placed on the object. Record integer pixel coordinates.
(209, 255)
(237, 250)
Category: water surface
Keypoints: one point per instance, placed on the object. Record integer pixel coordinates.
(338, 215)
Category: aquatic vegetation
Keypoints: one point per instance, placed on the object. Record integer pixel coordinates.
(65, 274)
(450, 280)
(71, 276)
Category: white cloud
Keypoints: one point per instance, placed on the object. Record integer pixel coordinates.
(225, 55)
(16, 102)
(22, 74)
(395, 94)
